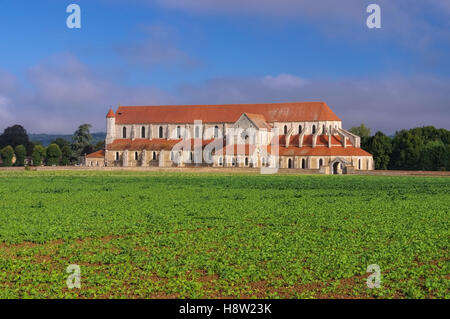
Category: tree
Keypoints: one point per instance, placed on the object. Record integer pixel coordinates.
(435, 156)
(21, 153)
(61, 142)
(14, 136)
(53, 154)
(380, 146)
(406, 151)
(363, 132)
(66, 155)
(81, 138)
(38, 155)
(7, 154)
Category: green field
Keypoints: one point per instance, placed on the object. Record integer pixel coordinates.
(165, 235)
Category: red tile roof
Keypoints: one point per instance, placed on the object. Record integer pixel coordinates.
(322, 140)
(110, 114)
(227, 113)
(98, 154)
(322, 151)
(154, 144)
(259, 120)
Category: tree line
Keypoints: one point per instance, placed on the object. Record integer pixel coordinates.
(14, 142)
(422, 148)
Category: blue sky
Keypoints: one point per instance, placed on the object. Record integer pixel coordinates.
(145, 52)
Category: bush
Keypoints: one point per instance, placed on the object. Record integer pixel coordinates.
(53, 154)
(38, 155)
(21, 152)
(7, 155)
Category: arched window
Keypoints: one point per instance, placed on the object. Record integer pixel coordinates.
(161, 133)
(323, 129)
(285, 129)
(178, 132)
(136, 156)
(143, 132)
(154, 156)
(246, 161)
(289, 163)
(359, 164)
(216, 131)
(320, 163)
(303, 163)
(330, 128)
(197, 132)
(314, 129)
(300, 129)
(117, 156)
(124, 132)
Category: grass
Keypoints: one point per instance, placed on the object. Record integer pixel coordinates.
(166, 235)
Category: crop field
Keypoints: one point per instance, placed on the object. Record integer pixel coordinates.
(187, 235)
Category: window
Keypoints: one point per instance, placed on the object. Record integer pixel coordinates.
(303, 163)
(323, 129)
(290, 163)
(191, 156)
(178, 132)
(220, 161)
(161, 133)
(263, 161)
(314, 129)
(246, 161)
(233, 161)
(320, 163)
(285, 129)
(117, 156)
(136, 156)
(197, 132)
(124, 132)
(143, 132)
(300, 129)
(330, 128)
(216, 131)
(359, 164)
(154, 156)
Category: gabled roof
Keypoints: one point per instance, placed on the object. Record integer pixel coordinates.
(322, 140)
(226, 113)
(259, 120)
(98, 154)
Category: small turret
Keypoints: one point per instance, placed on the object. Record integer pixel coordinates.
(110, 127)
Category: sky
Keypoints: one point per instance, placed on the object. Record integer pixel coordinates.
(157, 52)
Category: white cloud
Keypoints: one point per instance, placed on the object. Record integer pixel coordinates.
(63, 93)
(283, 82)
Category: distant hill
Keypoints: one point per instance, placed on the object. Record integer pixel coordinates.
(46, 139)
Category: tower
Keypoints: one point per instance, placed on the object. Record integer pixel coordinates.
(110, 127)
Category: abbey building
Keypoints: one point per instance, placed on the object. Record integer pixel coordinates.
(298, 136)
